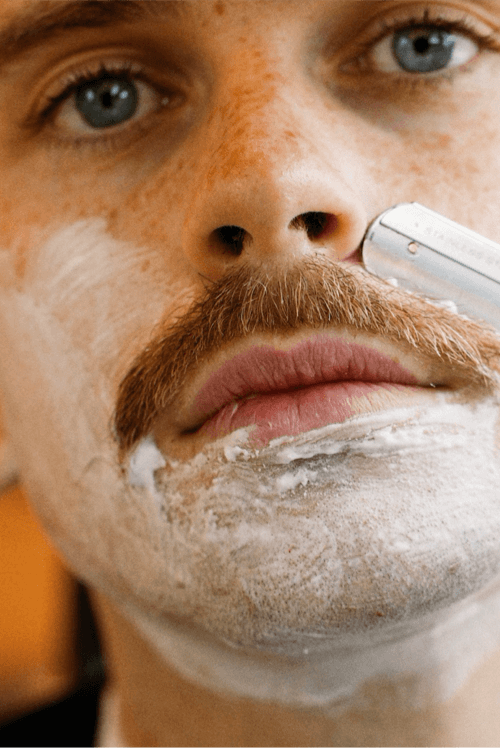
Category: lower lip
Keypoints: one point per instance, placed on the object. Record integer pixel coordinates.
(296, 411)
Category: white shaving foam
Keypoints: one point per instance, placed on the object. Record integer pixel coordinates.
(308, 665)
(438, 658)
(144, 461)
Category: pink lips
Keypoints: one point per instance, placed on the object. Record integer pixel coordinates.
(290, 392)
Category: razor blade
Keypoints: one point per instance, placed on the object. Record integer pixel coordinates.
(428, 254)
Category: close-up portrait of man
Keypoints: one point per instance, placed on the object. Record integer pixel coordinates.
(276, 473)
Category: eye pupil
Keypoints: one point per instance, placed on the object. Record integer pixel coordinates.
(421, 45)
(105, 102)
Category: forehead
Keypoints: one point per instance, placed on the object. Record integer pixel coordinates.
(30, 12)
(24, 23)
(22, 17)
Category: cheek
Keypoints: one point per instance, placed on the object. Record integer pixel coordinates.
(69, 330)
(103, 296)
(447, 160)
(67, 327)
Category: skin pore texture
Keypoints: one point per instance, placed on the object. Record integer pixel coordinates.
(278, 475)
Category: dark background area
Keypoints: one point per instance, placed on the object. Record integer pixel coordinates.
(70, 721)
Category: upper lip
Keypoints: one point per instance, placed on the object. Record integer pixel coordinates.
(264, 369)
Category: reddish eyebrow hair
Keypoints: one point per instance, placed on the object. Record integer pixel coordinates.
(49, 18)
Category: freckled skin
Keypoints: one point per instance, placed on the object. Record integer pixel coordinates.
(263, 124)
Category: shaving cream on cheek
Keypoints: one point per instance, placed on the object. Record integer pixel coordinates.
(65, 324)
(96, 288)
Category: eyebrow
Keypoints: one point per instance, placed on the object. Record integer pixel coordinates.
(48, 18)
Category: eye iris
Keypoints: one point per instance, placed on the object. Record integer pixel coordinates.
(423, 50)
(106, 102)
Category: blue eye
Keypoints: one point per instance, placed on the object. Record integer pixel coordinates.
(423, 50)
(106, 101)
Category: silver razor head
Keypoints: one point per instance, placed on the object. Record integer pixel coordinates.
(437, 258)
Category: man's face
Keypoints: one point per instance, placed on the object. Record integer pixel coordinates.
(220, 417)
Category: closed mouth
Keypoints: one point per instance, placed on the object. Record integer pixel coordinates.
(323, 379)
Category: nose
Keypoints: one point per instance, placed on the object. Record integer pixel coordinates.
(269, 190)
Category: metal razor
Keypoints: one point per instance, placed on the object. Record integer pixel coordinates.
(435, 257)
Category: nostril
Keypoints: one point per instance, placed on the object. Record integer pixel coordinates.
(231, 238)
(314, 223)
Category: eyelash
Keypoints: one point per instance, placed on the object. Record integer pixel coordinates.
(111, 138)
(74, 80)
(423, 19)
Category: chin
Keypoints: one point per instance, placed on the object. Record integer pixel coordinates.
(352, 531)
(319, 540)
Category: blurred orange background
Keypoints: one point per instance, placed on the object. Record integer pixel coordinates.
(37, 613)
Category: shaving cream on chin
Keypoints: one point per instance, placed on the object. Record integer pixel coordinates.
(322, 562)
(349, 529)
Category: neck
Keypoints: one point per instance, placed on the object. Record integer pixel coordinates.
(453, 702)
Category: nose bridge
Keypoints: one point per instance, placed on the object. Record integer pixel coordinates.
(263, 188)
(253, 121)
